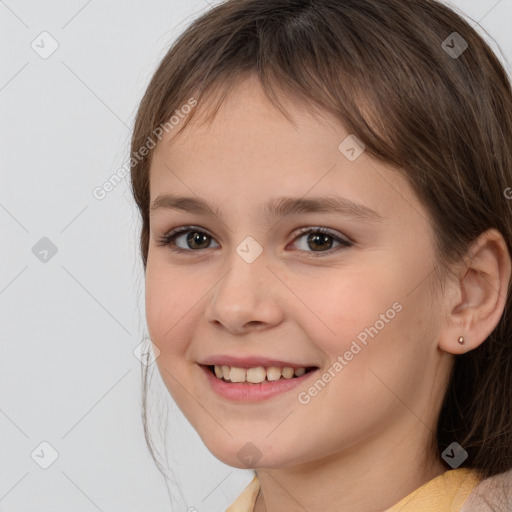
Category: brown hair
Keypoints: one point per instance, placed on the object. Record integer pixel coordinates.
(444, 121)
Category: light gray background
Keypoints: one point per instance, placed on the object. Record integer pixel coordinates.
(69, 326)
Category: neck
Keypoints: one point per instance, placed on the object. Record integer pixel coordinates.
(362, 478)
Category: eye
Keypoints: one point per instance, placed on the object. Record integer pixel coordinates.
(319, 238)
(194, 239)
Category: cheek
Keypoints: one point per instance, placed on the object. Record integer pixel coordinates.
(167, 300)
(369, 323)
(350, 306)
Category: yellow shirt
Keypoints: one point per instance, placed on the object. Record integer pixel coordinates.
(444, 493)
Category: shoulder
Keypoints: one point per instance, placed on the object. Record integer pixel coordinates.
(493, 494)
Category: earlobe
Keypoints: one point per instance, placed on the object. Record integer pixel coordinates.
(478, 295)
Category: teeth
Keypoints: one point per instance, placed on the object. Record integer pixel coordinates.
(273, 373)
(257, 374)
(287, 372)
(237, 374)
(300, 371)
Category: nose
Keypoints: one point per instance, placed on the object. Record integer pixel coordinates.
(247, 298)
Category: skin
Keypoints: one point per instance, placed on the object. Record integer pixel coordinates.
(360, 443)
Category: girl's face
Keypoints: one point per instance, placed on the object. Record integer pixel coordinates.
(249, 282)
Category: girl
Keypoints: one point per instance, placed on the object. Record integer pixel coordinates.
(326, 233)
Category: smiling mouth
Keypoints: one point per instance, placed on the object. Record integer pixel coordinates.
(257, 375)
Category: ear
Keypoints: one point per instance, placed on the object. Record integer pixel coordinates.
(476, 297)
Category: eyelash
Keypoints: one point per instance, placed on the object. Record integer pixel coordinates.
(168, 239)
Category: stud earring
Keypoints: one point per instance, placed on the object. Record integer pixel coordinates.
(461, 340)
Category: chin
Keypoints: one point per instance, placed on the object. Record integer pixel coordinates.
(247, 455)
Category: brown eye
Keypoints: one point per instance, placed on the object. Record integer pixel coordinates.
(193, 239)
(197, 239)
(320, 240)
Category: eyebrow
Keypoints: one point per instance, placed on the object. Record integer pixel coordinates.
(275, 207)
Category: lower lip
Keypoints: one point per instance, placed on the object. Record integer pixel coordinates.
(247, 392)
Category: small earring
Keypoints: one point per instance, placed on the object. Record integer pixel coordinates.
(461, 340)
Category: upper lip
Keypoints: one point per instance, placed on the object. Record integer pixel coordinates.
(250, 362)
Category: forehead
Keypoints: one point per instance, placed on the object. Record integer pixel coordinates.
(244, 109)
(248, 132)
(250, 147)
